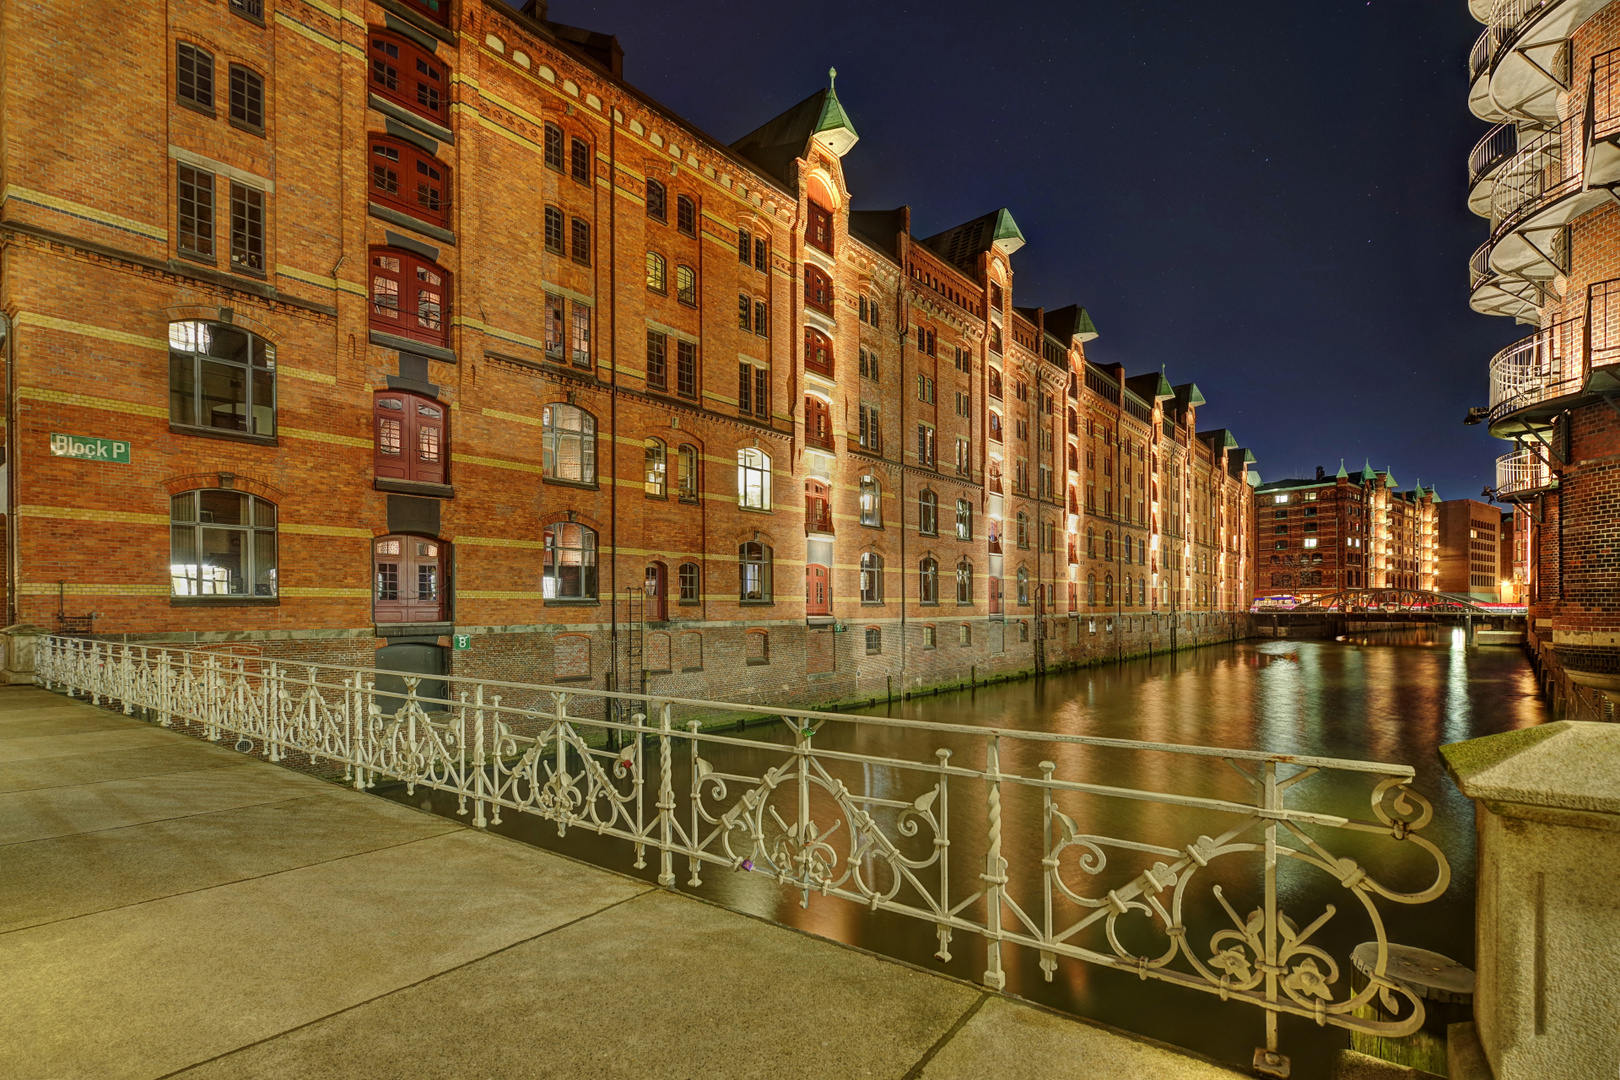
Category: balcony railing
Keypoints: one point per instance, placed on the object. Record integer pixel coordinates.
(1542, 367)
(1508, 17)
(1499, 144)
(1605, 98)
(817, 517)
(1546, 168)
(1521, 473)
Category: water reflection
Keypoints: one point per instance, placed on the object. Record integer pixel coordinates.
(1393, 699)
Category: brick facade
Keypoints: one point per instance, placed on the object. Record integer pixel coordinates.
(1469, 558)
(1552, 261)
(641, 351)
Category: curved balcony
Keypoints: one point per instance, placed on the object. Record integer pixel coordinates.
(1521, 474)
(1491, 293)
(1520, 64)
(1537, 377)
(1485, 161)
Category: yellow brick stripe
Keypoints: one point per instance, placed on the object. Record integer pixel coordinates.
(31, 318)
(497, 594)
(320, 279)
(74, 513)
(80, 210)
(79, 588)
(321, 436)
(492, 541)
(304, 593)
(307, 375)
(322, 530)
(516, 418)
(498, 463)
(85, 401)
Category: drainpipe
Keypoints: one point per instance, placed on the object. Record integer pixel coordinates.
(613, 402)
(8, 339)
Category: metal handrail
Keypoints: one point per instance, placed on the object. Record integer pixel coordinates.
(1605, 95)
(1479, 265)
(1509, 19)
(1496, 146)
(818, 816)
(1521, 473)
(1546, 365)
(1546, 168)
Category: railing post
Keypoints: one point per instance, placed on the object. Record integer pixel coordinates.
(1272, 802)
(995, 869)
(666, 801)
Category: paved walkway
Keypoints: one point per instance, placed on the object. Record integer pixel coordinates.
(170, 907)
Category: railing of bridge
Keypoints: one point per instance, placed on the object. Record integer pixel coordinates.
(994, 834)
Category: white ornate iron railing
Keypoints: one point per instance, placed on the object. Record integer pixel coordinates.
(1545, 366)
(1521, 473)
(818, 815)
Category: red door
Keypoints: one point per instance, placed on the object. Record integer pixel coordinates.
(409, 580)
(654, 592)
(817, 590)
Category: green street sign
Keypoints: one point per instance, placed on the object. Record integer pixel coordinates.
(463, 641)
(88, 448)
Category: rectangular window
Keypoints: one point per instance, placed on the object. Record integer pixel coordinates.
(247, 229)
(196, 205)
(964, 458)
(871, 429)
(762, 319)
(657, 350)
(580, 336)
(762, 392)
(247, 98)
(579, 161)
(555, 241)
(925, 445)
(686, 368)
(554, 327)
(554, 147)
(253, 9)
(745, 246)
(745, 387)
(582, 242)
(762, 255)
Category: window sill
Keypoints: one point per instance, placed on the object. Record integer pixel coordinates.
(200, 260)
(756, 603)
(754, 509)
(205, 110)
(406, 116)
(564, 679)
(410, 221)
(565, 602)
(249, 272)
(418, 20)
(411, 345)
(414, 487)
(872, 603)
(581, 262)
(414, 629)
(243, 125)
(757, 662)
(254, 19)
(225, 436)
(689, 500)
(224, 601)
(582, 485)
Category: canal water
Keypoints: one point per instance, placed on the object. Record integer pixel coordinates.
(1387, 698)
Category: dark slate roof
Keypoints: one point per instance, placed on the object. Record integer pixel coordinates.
(1150, 386)
(774, 145)
(880, 229)
(962, 244)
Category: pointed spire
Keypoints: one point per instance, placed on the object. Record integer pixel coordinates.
(1341, 474)
(832, 78)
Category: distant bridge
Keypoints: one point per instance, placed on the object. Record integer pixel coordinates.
(1405, 602)
(1352, 611)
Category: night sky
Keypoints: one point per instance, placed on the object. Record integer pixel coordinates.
(1267, 199)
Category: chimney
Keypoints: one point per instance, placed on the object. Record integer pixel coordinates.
(1320, 472)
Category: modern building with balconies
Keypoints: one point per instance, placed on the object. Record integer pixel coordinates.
(1546, 74)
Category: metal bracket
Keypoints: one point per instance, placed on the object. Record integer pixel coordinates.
(1270, 1063)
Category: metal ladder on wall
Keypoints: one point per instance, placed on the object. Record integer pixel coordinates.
(635, 651)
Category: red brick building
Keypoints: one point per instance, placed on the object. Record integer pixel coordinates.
(1351, 530)
(1469, 564)
(1543, 177)
(344, 333)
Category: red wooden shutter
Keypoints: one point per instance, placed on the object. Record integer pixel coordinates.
(391, 419)
(428, 439)
(409, 296)
(409, 77)
(409, 180)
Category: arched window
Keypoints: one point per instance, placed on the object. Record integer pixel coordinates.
(579, 160)
(1091, 543)
(409, 180)
(964, 582)
(407, 580)
(194, 76)
(928, 580)
(410, 437)
(686, 472)
(554, 147)
(1074, 424)
(745, 312)
(221, 543)
(818, 289)
(995, 383)
(1023, 530)
(403, 73)
(754, 572)
(871, 501)
(1141, 551)
(691, 582)
(686, 285)
(1091, 588)
(928, 513)
(1108, 589)
(569, 437)
(871, 578)
(657, 468)
(762, 319)
(570, 566)
(1141, 591)
(1125, 592)
(874, 640)
(655, 272)
(995, 475)
(221, 377)
(1074, 460)
(964, 519)
(1108, 544)
(753, 479)
(686, 215)
(817, 422)
(556, 239)
(995, 427)
(818, 352)
(994, 531)
(656, 198)
(409, 296)
(817, 514)
(1023, 585)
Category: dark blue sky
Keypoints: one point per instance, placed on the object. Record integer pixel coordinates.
(1266, 198)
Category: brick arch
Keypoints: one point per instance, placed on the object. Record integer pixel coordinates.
(763, 536)
(254, 485)
(216, 313)
(555, 517)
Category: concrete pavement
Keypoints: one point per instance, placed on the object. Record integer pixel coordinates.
(172, 908)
